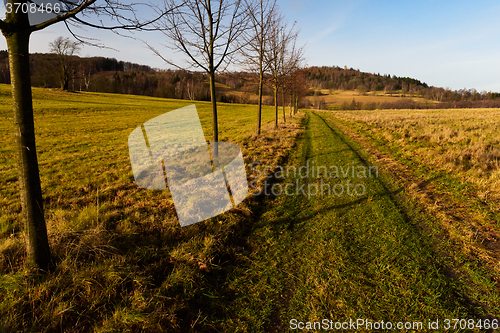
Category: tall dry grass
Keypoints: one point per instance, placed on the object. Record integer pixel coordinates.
(463, 141)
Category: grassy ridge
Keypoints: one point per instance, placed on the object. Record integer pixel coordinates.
(341, 257)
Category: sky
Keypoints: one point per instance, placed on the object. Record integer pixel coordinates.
(449, 44)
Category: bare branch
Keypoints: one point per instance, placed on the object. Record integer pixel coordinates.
(65, 16)
(205, 31)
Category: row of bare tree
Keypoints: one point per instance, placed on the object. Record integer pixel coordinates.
(213, 34)
(210, 33)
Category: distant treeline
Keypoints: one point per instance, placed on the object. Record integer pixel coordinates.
(350, 79)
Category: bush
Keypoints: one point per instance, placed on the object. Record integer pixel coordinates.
(362, 89)
(403, 104)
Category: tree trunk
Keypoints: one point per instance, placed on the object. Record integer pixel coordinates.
(284, 109)
(213, 97)
(65, 81)
(87, 81)
(276, 105)
(261, 86)
(290, 105)
(211, 73)
(64, 74)
(37, 245)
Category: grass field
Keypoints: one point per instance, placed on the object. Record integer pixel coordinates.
(122, 259)
(462, 141)
(335, 98)
(447, 163)
(376, 256)
(413, 242)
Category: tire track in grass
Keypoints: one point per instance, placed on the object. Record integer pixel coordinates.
(424, 231)
(335, 256)
(476, 270)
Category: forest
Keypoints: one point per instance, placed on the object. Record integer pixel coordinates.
(336, 78)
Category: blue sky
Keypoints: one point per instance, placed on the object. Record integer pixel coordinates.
(444, 43)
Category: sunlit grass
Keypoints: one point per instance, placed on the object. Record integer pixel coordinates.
(344, 257)
(454, 202)
(122, 260)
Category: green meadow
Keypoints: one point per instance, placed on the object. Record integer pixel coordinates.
(371, 256)
(122, 259)
(272, 264)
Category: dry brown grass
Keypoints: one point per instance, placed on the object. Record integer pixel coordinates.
(338, 97)
(414, 147)
(122, 261)
(463, 141)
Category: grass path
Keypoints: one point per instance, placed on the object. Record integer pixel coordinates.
(340, 257)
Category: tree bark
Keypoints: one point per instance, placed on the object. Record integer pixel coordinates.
(276, 106)
(284, 108)
(37, 245)
(261, 86)
(213, 97)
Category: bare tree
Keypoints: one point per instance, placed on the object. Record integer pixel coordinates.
(297, 89)
(64, 48)
(86, 69)
(207, 32)
(261, 17)
(291, 57)
(280, 39)
(17, 29)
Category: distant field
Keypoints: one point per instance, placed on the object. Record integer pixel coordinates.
(338, 97)
(462, 141)
(333, 98)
